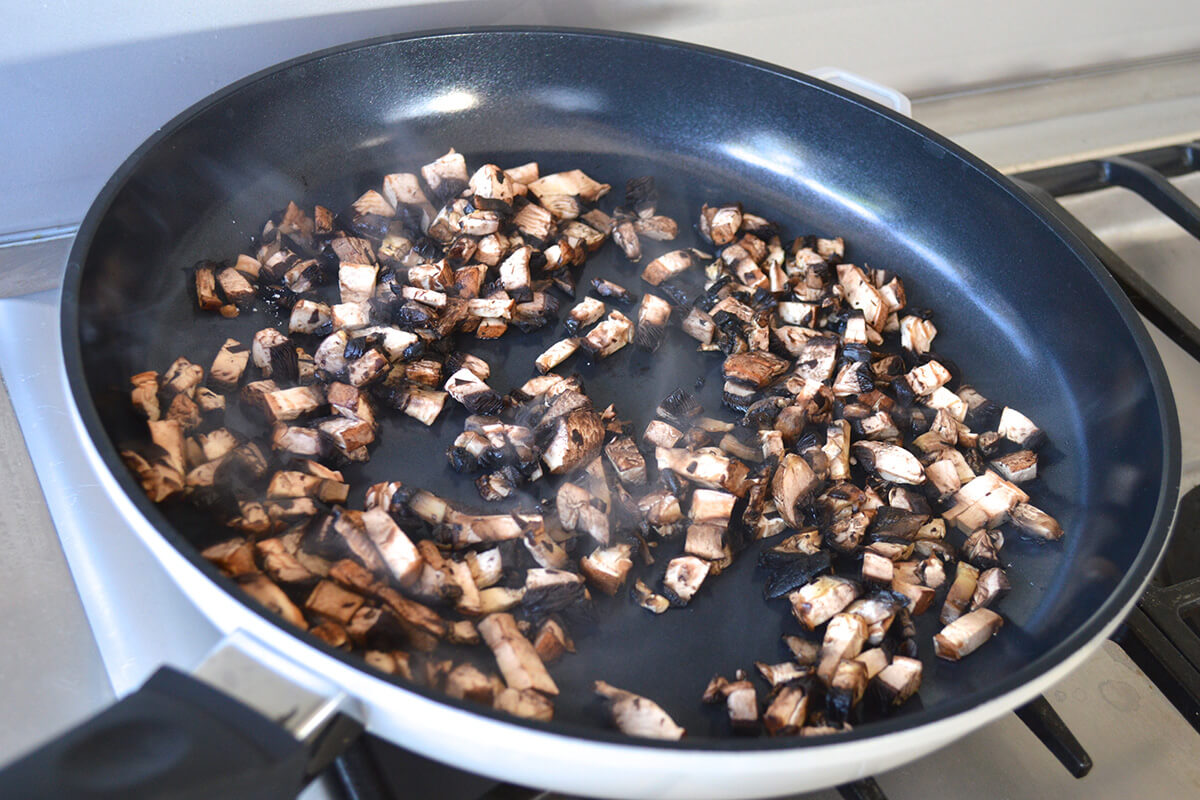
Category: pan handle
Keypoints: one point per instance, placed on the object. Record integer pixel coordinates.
(872, 90)
(180, 736)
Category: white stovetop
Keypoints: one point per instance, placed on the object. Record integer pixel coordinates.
(52, 668)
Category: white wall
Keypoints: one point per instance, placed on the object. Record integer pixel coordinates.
(83, 83)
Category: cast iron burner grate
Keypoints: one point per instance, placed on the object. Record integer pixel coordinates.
(1162, 635)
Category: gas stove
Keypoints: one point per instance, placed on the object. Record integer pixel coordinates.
(1125, 722)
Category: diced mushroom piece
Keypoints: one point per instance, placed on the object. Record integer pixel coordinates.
(659, 228)
(787, 711)
(991, 584)
(1017, 467)
(235, 286)
(552, 641)
(755, 369)
(1035, 522)
(875, 660)
(465, 529)
(700, 326)
(862, 295)
(966, 634)
(467, 681)
(331, 353)
(984, 502)
(284, 405)
(667, 266)
(876, 568)
(525, 703)
(741, 703)
(400, 555)
(579, 510)
(683, 578)
(206, 286)
(720, 224)
(626, 460)
(916, 334)
(607, 568)
(890, 462)
(182, 377)
(792, 487)
(575, 440)
(479, 398)
(1018, 428)
(818, 601)
(609, 336)
(495, 307)
(846, 688)
(330, 600)
(234, 557)
(927, 377)
(260, 587)
(274, 354)
(845, 636)
(367, 368)
(556, 354)
(145, 394)
(423, 405)
(660, 508)
(499, 598)
(647, 599)
(900, 680)
(711, 507)
(584, 313)
(228, 366)
(447, 176)
(943, 477)
(708, 467)
(625, 234)
(782, 674)
(290, 483)
(573, 182)
(638, 716)
(356, 282)
(661, 434)
(515, 656)
(492, 189)
(804, 651)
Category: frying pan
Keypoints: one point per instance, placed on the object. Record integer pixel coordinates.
(1024, 309)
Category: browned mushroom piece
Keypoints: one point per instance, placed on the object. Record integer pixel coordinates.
(817, 602)
(638, 716)
(966, 634)
(515, 656)
(667, 266)
(260, 587)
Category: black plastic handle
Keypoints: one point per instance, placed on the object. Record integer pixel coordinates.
(175, 738)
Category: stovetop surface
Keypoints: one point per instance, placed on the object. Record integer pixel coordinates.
(1140, 743)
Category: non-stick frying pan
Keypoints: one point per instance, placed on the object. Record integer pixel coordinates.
(1023, 308)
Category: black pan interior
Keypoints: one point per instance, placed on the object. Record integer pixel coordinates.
(1021, 310)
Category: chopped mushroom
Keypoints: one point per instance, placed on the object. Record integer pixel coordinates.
(683, 578)
(654, 603)
(609, 336)
(556, 354)
(606, 568)
(900, 680)
(890, 462)
(817, 602)
(810, 364)
(636, 715)
(1035, 522)
(964, 635)
(515, 656)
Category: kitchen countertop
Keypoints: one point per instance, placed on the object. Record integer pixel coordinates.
(51, 673)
